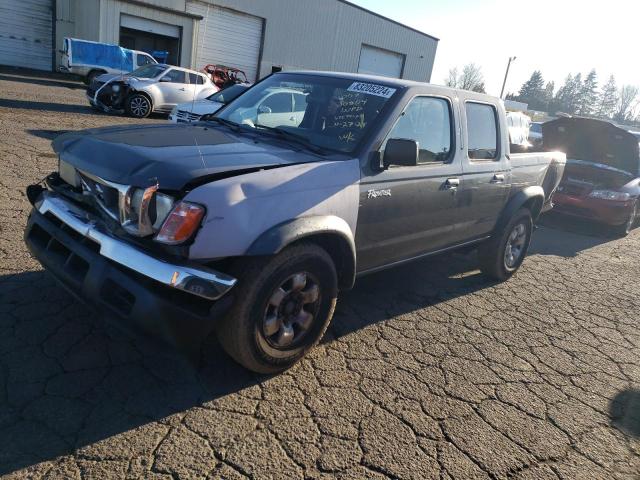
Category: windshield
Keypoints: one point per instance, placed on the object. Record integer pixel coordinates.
(148, 71)
(228, 94)
(327, 112)
(536, 128)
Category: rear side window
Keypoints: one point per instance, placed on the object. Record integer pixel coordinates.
(482, 130)
(176, 76)
(279, 103)
(299, 102)
(195, 79)
(426, 120)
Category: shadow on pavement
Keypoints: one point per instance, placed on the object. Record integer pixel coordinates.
(52, 107)
(47, 134)
(48, 82)
(567, 236)
(404, 289)
(624, 410)
(69, 382)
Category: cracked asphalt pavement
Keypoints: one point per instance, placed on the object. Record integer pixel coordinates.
(428, 370)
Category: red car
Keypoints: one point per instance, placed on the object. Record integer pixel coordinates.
(601, 179)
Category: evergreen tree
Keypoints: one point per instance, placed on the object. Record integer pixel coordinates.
(568, 97)
(588, 95)
(532, 91)
(549, 90)
(608, 99)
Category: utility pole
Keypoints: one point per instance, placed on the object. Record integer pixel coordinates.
(506, 74)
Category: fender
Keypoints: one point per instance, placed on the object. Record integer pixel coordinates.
(534, 193)
(329, 231)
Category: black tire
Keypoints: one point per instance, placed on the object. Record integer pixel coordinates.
(138, 106)
(256, 330)
(92, 75)
(494, 261)
(624, 229)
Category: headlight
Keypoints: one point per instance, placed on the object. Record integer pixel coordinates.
(181, 223)
(144, 210)
(610, 195)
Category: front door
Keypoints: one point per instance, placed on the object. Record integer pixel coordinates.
(408, 211)
(175, 87)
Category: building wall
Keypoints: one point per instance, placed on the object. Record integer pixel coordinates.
(328, 35)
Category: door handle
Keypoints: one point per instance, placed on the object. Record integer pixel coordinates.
(182, 89)
(497, 178)
(452, 183)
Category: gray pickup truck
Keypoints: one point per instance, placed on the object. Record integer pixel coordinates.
(248, 223)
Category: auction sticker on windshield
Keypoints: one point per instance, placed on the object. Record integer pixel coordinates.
(372, 89)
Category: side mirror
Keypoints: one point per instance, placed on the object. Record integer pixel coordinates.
(400, 151)
(263, 109)
(165, 79)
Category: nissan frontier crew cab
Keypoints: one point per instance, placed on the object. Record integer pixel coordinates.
(249, 222)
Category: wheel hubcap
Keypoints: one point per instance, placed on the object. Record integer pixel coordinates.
(139, 106)
(515, 245)
(291, 310)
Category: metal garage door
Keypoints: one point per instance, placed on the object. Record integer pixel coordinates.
(377, 61)
(26, 29)
(227, 37)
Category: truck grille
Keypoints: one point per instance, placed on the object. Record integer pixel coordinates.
(186, 116)
(106, 196)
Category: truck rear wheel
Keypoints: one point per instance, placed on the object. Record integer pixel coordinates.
(501, 256)
(283, 306)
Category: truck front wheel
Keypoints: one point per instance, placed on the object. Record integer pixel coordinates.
(501, 256)
(138, 106)
(283, 306)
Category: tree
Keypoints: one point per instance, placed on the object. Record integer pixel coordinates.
(547, 95)
(532, 91)
(471, 78)
(452, 79)
(588, 96)
(608, 99)
(568, 97)
(626, 104)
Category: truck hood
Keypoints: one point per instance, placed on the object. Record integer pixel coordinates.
(173, 155)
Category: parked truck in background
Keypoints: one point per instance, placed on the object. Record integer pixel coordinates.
(250, 228)
(90, 59)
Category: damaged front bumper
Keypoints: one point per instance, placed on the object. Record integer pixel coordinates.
(110, 96)
(174, 299)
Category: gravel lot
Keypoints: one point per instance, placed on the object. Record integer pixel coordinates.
(429, 370)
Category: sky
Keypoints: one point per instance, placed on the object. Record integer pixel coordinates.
(557, 37)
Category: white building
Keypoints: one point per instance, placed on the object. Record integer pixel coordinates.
(253, 35)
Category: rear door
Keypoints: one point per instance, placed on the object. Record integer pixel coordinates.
(408, 211)
(485, 168)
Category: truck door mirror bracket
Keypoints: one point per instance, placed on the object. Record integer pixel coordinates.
(400, 151)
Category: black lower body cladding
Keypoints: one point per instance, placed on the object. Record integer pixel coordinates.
(134, 302)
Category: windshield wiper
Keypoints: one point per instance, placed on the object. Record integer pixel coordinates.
(296, 137)
(232, 125)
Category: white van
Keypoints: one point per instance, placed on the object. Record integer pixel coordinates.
(90, 59)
